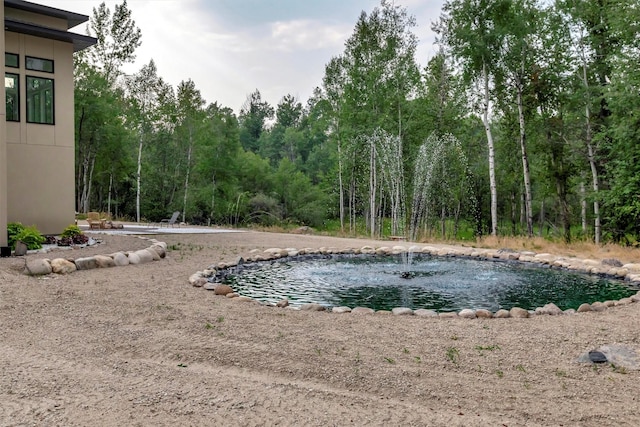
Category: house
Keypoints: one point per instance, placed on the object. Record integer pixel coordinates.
(37, 144)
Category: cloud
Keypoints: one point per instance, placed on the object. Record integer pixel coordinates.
(304, 34)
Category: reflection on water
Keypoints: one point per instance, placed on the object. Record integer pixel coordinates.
(443, 284)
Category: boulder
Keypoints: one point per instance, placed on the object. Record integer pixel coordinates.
(312, 307)
(21, 248)
(62, 266)
(340, 310)
(282, 303)
(222, 289)
(481, 313)
(160, 250)
(518, 313)
(104, 261)
(120, 259)
(153, 253)
(423, 312)
(133, 258)
(448, 315)
(402, 311)
(144, 255)
(86, 263)
(502, 314)
(38, 267)
(584, 308)
(467, 313)
(598, 306)
(362, 310)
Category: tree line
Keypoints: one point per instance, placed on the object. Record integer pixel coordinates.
(523, 123)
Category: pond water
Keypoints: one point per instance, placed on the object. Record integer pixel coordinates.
(437, 283)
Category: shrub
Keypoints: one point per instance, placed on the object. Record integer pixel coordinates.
(13, 229)
(31, 237)
(70, 231)
(72, 235)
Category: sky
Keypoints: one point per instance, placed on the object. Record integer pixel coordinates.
(230, 48)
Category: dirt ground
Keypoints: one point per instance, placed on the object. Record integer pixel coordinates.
(139, 346)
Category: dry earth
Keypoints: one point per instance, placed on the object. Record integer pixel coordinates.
(138, 345)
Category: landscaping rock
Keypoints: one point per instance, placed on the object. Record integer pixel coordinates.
(120, 259)
(362, 310)
(549, 309)
(21, 248)
(282, 303)
(145, 256)
(467, 313)
(222, 289)
(312, 307)
(62, 266)
(104, 261)
(423, 312)
(153, 253)
(402, 311)
(518, 313)
(584, 308)
(502, 314)
(133, 258)
(481, 313)
(448, 315)
(86, 263)
(38, 267)
(598, 306)
(340, 310)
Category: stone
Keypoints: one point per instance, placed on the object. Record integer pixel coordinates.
(467, 313)
(635, 298)
(549, 309)
(232, 295)
(481, 313)
(38, 267)
(62, 266)
(210, 286)
(624, 301)
(609, 303)
(312, 307)
(104, 261)
(518, 313)
(341, 310)
(402, 311)
(423, 312)
(362, 310)
(86, 263)
(502, 314)
(153, 253)
(120, 259)
(598, 306)
(133, 258)
(584, 308)
(222, 289)
(569, 311)
(145, 256)
(21, 248)
(282, 303)
(448, 315)
(241, 298)
(383, 312)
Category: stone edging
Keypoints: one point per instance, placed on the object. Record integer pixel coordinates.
(39, 267)
(608, 268)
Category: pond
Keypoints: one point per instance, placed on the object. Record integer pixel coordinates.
(437, 283)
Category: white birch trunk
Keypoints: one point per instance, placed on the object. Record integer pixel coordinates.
(492, 166)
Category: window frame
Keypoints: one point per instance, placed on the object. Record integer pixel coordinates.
(17, 97)
(28, 98)
(26, 64)
(9, 54)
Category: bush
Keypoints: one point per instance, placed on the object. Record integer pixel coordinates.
(72, 235)
(13, 229)
(31, 237)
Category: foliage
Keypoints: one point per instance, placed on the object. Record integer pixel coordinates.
(29, 235)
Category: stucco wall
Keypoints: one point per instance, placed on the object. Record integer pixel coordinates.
(40, 167)
(3, 152)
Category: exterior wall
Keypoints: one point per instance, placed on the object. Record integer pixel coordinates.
(34, 18)
(3, 151)
(41, 157)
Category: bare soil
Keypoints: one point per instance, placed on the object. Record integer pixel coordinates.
(139, 346)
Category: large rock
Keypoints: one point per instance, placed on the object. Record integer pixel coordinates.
(598, 306)
(312, 307)
(133, 258)
(38, 267)
(448, 315)
(502, 314)
(402, 311)
(62, 266)
(153, 253)
(145, 256)
(584, 308)
(341, 309)
(423, 312)
(362, 310)
(120, 259)
(21, 248)
(282, 303)
(550, 309)
(481, 313)
(160, 250)
(104, 261)
(518, 313)
(86, 263)
(222, 289)
(467, 313)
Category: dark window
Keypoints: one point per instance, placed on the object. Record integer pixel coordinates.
(11, 60)
(40, 100)
(12, 90)
(38, 64)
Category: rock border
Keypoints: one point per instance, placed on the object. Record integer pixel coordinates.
(605, 268)
(44, 266)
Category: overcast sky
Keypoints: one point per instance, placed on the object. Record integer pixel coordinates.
(229, 48)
